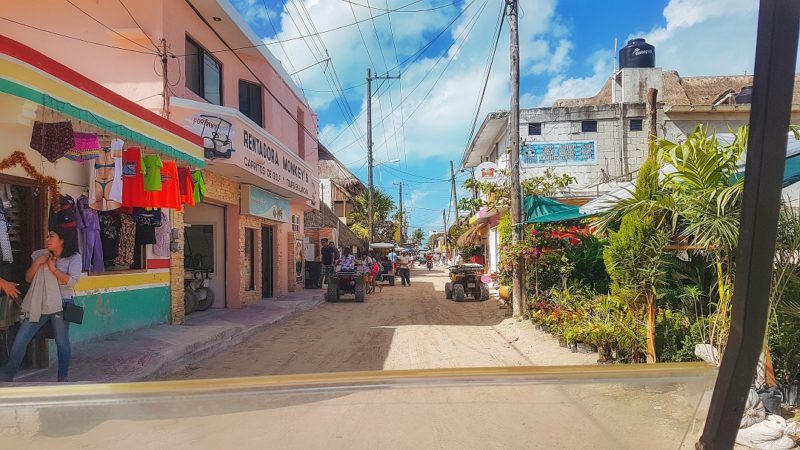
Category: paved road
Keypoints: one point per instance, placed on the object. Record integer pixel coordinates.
(398, 328)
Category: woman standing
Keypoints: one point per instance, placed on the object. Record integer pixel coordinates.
(59, 260)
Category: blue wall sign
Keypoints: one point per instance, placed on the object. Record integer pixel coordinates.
(558, 153)
(258, 202)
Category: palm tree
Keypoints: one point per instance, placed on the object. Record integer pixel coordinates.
(382, 207)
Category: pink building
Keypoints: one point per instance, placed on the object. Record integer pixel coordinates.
(197, 63)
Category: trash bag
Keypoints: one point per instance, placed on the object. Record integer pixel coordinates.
(766, 435)
(792, 431)
(771, 398)
(707, 353)
(754, 411)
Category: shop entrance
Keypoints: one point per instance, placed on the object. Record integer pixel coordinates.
(204, 248)
(267, 262)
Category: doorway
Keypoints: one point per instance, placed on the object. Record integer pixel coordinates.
(267, 262)
(204, 248)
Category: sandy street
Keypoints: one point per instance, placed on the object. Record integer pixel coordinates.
(400, 328)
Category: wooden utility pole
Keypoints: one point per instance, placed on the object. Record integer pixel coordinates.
(453, 187)
(652, 132)
(165, 87)
(369, 147)
(446, 241)
(402, 217)
(517, 227)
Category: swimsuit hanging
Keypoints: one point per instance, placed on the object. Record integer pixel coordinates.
(105, 187)
(87, 147)
(52, 140)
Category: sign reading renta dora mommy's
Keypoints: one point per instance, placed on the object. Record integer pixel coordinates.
(558, 153)
(251, 148)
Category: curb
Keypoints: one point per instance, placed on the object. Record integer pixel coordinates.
(216, 344)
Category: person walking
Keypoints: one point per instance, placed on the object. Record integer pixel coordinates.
(403, 263)
(53, 274)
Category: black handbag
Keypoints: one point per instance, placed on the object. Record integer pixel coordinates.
(73, 313)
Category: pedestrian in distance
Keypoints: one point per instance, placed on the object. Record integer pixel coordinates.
(329, 256)
(403, 263)
(53, 274)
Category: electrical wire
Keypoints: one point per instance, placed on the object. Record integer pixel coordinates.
(487, 71)
(140, 27)
(434, 8)
(106, 26)
(86, 41)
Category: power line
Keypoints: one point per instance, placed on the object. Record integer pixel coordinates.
(400, 11)
(463, 33)
(107, 27)
(487, 72)
(86, 41)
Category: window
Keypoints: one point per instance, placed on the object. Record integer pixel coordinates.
(250, 258)
(535, 129)
(250, 103)
(635, 125)
(203, 73)
(296, 224)
(198, 252)
(589, 126)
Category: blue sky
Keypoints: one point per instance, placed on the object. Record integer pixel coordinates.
(566, 51)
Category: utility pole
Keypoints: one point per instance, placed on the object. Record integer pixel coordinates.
(402, 217)
(165, 87)
(369, 145)
(652, 132)
(446, 241)
(453, 187)
(518, 287)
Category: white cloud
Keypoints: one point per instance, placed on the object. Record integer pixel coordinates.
(561, 86)
(254, 11)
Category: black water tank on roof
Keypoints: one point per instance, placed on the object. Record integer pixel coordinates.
(637, 53)
(745, 96)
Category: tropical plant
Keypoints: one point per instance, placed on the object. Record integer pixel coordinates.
(417, 237)
(637, 264)
(382, 207)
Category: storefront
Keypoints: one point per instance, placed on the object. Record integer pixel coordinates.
(261, 189)
(69, 144)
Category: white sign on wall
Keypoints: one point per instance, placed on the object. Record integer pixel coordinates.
(488, 172)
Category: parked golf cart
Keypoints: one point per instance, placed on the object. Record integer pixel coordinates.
(345, 283)
(382, 250)
(465, 280)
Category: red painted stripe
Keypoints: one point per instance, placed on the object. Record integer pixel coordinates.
(158, 263)
(24, 53)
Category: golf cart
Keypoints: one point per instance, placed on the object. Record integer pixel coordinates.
(382, 250)
(465, 280)
(345, 283)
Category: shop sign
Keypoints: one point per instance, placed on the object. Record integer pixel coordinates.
(488, 171)
(258, 202)
(558, 153)
(232, 140)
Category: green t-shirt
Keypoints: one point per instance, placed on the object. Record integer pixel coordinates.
(199, 186)
(152, 172)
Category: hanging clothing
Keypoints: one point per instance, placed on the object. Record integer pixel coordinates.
(105, 184)
(89, 225)
(5, 243)
(152, 177)
(186, 186)
(199, 186)
(161, 247)
(87, 148)
(169, 195)
(66, 217)
(52, 140)
(127, 241)
(110, 231)
(133, 178)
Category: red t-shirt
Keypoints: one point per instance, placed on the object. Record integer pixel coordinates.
(169, 196)
(133, 178)
(186, 185)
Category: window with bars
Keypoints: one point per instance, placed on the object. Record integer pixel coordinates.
(635, 125)
(296, 223)
(535, 129)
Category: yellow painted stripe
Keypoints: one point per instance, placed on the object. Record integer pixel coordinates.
(38, 80)
(97, 282)
(551, 374)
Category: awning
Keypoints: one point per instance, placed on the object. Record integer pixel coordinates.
(30, 75)
(544, 210)
(472, 236)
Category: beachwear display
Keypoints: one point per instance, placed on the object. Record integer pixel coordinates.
(169, 195)
(186, 186)
(127, 241)
(110, 230)
(152, 177)
(105, 185)
(52, 140)
(87, 147)
(199, 186)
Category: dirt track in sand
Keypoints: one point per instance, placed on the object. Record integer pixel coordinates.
(399, 328)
